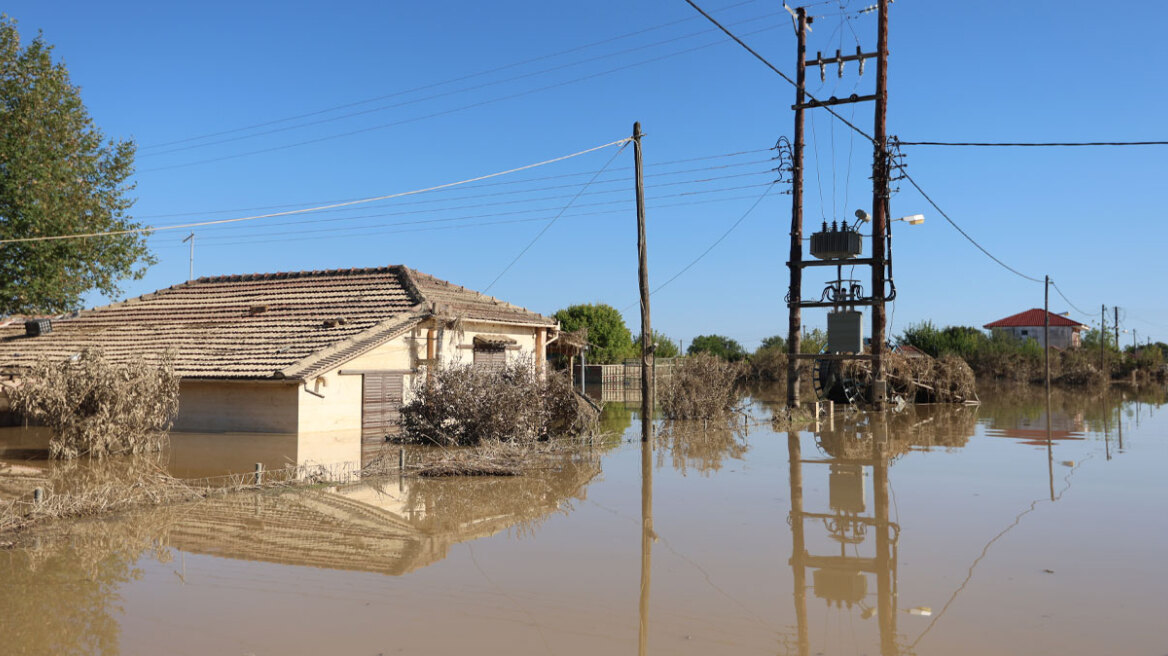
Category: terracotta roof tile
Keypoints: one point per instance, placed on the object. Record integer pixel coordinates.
(262, 325)
(1031, 318)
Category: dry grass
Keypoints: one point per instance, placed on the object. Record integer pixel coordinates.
(701, 387)
(97, 408)
(462, 405)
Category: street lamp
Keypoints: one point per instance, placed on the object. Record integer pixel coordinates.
(913, 219)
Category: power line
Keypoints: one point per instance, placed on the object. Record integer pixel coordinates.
(1060, 293)
(500, 183)
(444, 112)
(555, 218)
(413, 101)
(449, 219)
(711, 247)
(437, 84)
(1033, 144)
(964, 233)
(776, 70)
(621, 142)
(377, 229)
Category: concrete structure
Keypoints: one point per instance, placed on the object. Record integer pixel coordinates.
(1064, 332)
(324, 357)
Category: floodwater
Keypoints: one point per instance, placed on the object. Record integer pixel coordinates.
(1014, 527)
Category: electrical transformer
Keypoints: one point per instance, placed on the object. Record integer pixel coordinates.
(845, 331)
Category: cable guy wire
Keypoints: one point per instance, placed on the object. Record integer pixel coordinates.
(306, 210)
(964, 233)
(1076, 307)
(624, 142)
(711, 247)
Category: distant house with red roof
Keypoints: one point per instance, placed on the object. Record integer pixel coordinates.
(1064, 332)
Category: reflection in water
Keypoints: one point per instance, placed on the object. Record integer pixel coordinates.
(865, 540)
(59, 591)
(60, 595)
(390, 527)
(691, 444)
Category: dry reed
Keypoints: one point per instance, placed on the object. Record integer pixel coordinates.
(96, 407)
(702, 387)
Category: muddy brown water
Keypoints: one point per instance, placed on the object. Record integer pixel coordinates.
(930, 531)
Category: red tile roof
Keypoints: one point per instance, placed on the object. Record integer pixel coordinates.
(276, 325)
(1032, 318)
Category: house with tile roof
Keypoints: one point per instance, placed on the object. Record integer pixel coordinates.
(310, 352)
(1064, 332)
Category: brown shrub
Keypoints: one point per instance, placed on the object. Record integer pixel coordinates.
(702, 387)
(464, 404)
(98, 408)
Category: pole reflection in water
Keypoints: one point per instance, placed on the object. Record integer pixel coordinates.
(842, 580)
(647, 534)
(1050, 445)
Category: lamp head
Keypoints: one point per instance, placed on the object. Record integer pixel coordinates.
(863, 216)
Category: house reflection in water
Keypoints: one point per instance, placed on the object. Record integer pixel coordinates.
(393, 527)
(854, 539)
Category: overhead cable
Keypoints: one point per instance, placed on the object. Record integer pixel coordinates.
(443, 94)
(148, 229)
(964, 233)
(555, 218)
(1033, 144)
(436, 84)
(1076, 308)
(445, 112)
(779, 72)
(711, 247)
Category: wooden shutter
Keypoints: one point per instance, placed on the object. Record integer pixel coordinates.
(490, 356)
(381, 402)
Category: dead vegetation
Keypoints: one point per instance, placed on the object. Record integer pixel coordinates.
(96, 407)
(947, 379)
(465, 405)
(702, 387)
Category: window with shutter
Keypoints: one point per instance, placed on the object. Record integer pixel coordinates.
(490, 355)
(381, 402)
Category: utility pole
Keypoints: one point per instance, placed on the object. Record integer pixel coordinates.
(795, 294)
(1102, 340)
(844, 297)
(1116, 310)
(1046, 334)
(191, 273)
(647, 346)
(879, 205)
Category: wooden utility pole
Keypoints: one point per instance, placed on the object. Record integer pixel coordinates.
(1102, 340)
(795, 264)
(879, 204)
(1116, 310)
(1046, 332)
(647, 346)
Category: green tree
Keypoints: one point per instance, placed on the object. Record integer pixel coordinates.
(666, 347)
(58, 176)
(717, 345)
(609, 338)
(773, 342)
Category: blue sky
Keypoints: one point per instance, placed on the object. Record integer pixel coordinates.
(393, 97)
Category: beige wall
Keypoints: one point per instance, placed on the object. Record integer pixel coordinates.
(218, 406)
(1060, 336)
(321, 419)
(451, 353)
